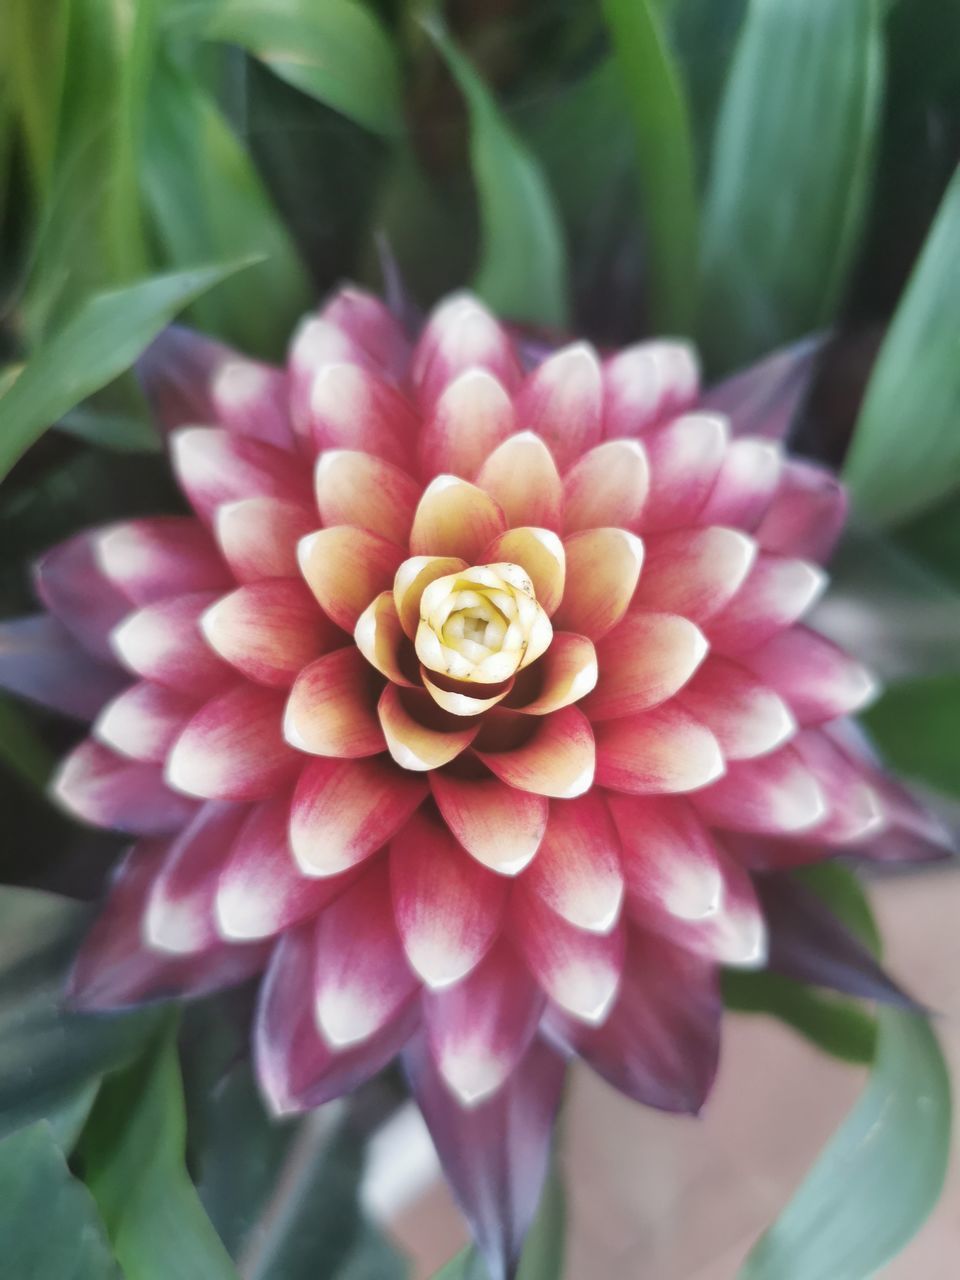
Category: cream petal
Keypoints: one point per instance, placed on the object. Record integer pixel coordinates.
(662, 750)
(380, 638)
(567, 672)
(458, 702)
(412, 579)
(455, 518)
(606, 487)
(694, 572)
(354, 488)
(412, 740)
(472, 416)
(603, 569)
(642, 662)
(556, 759)
(522, 477)
(540, 552)
(269, 630)
(501, 826)
(562, 401)
(331, 710)
(346, 568)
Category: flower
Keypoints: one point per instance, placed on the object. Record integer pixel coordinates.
(470, 707)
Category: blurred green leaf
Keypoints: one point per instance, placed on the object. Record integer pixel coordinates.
(905, 453)
(835, 1024)
(790, 173)
(49, 1225)
(48, 1056)
(914, 724)
(336, 52)
(933, 538)
(880, 1175)
(33, 61)
(658, 109)
(132, 1153)
(104, 337)
(120, 431)
(21, 747)
(207, 202)
(522, 272)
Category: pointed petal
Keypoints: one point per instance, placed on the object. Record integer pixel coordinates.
(353, 408)
(418, 734)
(345, 810)
(562, 401)
(522, 477)
(451, 695)
(461, 334)
(455, 518)
(646, 384)
(763, 399)
(746, 718)
(362, 980)
(495, 1154)
(670, 862)
(856, 811)
(540, 553)
(694, 572)
(500, 826)
(164, 642)
(176, 372)
(144, 721)
(643, 662)
(359, 489)
(269, 630)
(42, 661)
(259, 536)
(565, 673)
(233, 749)
(807, 514)
(381, 640)
(479, 1029)
(607, 486)
(736, 934)
(817, 679)
(69, 581)
(577, 868)
(252, 399)
(153, 558)
(332, 711)
(555, 759)
(413, 578)
(747, 480)
(317, 343)
(372, 326)
(472, 416)
(603, 569)
(685, 459)
(775, 794)
(214, 467)
(776, 593)
(448, 907)
(100, 787)
(345, 568)
(661, 750)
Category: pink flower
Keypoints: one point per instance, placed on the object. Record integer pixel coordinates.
(466, 707)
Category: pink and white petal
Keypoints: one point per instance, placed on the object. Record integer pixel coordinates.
(252, 399)
(362, 979)
(413, 578)
(42, 661)
(577, 869)
(345, 810)
(663, 750)
(461, 334)
(233, 748)
(745, 716)
(736, 935)
(646, 384)
(481, 1027)
(644, 661)
(98, 786)
(269, 630)
(817, 679)
(522, 477)
(214, 467)
(562, 402)
(540, 552)
(160, 556)
(260, 890)
(671, 864)
(346, 568)
(179, 916)
(578, 970)
(448, 907)
(455, 518)
(856, 809)
(495, 1154)
(499, 825)
(353, 408)
(419, 735)
(747, 481)
(317, 344)
(778, 591)
(360, 489)
(660, 1044)
(762, 400)
(164, 642)
(694, 572)
(807, 514)
(775, 794)
(565, 674)
(685, 458)
(607, 486)
(473, 415)
(69, 581)
(332, 708)
(176, 372)
(144, 721)
(296, 1068)
(259, 536)
(557, 758)
(603, 569)
(370, 324)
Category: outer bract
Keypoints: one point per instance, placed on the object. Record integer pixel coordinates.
(466, 707)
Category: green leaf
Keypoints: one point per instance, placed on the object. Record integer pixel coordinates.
(123, 432)
(132, 1152)
(34, 45)
(49, 1057)
(934, 539)
(880, 1175)
(658, 109)
(207, 202)
(915, 726)
(522, 272)
(104, 337)
(905, 453)
(49, 1225)
(336, 52)
(835, 1024)
(791, 168)
(21, 747)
